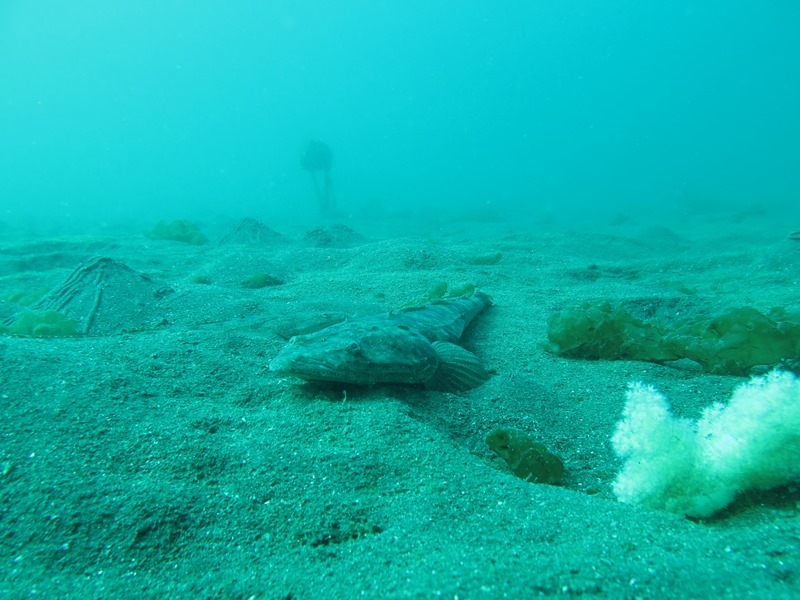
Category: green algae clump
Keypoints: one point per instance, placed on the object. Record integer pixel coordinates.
(730, 342)
(178, 231)
(200, 280)
(527, 459)
(600, 330)
(25, 297)
(437, 292)
(41, 323)
(442, 291)
(735, 340)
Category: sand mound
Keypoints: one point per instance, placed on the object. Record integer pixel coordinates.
(107, 297)
(250, 232)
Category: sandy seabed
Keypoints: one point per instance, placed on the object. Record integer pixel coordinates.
(157, 456)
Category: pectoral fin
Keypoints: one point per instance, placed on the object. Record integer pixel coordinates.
(459, 369)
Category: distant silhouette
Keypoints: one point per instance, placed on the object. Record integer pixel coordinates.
(316, 157)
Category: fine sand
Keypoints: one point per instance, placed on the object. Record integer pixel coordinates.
(157, 456)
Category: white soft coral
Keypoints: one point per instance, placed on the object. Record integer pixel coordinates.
(673, 464)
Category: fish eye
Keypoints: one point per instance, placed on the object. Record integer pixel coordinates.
(353, 347)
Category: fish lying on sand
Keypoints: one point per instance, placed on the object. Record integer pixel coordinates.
(412, 345)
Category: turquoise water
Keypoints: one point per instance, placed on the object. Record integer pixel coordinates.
(116, 109)
(157, 454)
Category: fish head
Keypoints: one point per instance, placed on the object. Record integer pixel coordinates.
(359, 353)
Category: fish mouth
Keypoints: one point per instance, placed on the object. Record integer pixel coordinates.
(304, 368)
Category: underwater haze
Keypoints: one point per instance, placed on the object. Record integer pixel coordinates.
(130, 111)
(341, 299)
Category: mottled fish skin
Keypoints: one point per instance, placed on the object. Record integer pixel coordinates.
(398, 347)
